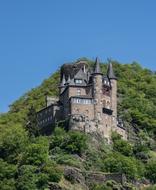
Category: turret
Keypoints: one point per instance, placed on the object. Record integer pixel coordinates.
(113, 80)
(97, 90)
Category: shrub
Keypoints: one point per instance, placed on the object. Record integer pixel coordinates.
(27, 178)
(36, 153)
(151, 170)
(121, 145)
(53, 171)
(73, 142)
(76, 142)
(13, 141)
(122, 164)
(68, 160)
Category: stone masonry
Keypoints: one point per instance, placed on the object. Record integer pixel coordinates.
(87, 100)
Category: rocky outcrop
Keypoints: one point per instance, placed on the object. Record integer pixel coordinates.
(74, 175)
(54, 186)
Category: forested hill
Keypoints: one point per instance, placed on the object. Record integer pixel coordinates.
(136, 96)
(29, 161)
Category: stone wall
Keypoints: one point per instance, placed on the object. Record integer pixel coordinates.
(73, 91)
(77, 176)
(86, 110)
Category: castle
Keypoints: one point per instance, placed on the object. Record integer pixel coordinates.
(87, 100)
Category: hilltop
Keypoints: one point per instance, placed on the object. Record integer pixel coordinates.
(29, 162)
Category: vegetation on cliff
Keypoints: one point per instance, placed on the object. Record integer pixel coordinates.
(29, 160)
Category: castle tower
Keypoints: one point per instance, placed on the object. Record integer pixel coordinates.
(97, 91)
(113, 81)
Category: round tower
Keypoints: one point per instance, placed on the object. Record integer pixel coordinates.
(97, 91)
(113, 81)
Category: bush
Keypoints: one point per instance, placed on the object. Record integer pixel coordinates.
(68, 160)
(108, 185)
(36, 153)
(27, 178)
(73, 142)
(151, 170)
(53, 171)
(129, 166)
(76, 142)
(121, 145)
(7, 175)
(13, 141)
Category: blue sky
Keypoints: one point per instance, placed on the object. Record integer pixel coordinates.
(37, 36)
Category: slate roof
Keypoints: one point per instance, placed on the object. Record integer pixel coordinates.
(97, 68)
(72, 69)
(110, 72)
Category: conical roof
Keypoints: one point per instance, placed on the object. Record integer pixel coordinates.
(110, 72)
(97, 69)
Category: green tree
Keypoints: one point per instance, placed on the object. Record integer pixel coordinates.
(7, 175)
(36, 153)
(72, 142)
(122, 146)
(129, 166)
(27, 178)
(32, 125)
(13, 141)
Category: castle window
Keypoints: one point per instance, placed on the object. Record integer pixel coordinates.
(108, 104)
(78, 81)
(78, 92)
(82, 101)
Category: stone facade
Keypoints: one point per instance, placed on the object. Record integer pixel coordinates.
(87, 99)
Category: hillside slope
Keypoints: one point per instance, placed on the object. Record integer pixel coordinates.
(28, 162)
(136, 96)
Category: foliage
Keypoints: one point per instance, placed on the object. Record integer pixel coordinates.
(151, 188)
(72, 142)
(53, 171)
(30, 161)
(37, 152)
(108, 185)
(27, 178)
(129, 166)
(121, 145)
(31, 125)
(151, 170)
(13, 141)
(7, 175)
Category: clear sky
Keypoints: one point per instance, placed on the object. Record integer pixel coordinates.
(37, 36)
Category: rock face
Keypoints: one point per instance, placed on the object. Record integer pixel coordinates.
(54, 186)
(74, 175)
